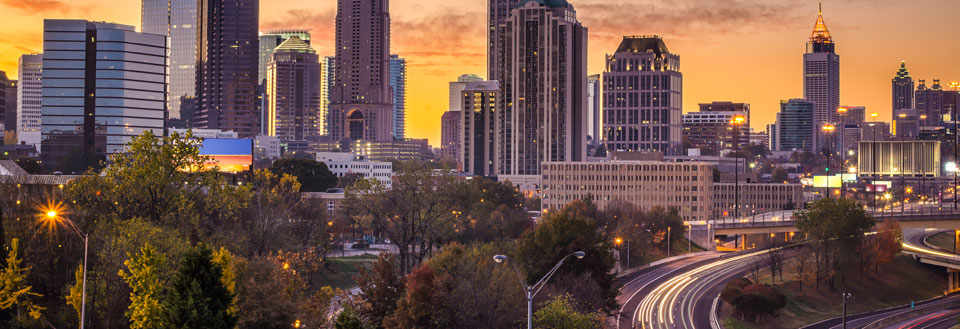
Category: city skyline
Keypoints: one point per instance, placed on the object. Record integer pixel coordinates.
(442, 41)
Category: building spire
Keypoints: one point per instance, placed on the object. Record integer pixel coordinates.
(820, 33)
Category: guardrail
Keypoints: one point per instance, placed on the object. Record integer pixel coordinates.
(913, 313)
(785, 218)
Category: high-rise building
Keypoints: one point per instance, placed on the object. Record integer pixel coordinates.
(227, 57)
(361, 101)
(543, 93)
(450, 135)
(104, 83)
(29, 99)
(711, 129)
(773, 137)
(929, 104)
(269, 40)
(5, 111)
(902, 89)
(594, 134)
(176, 19)
(875, 131)
(325, 89)
(906, 124)
(642, 88)
(479, 126)
(293, 92)
(398, 82)
(456, 90)
(821, 74)
(796, 126)
(10, 111)
(498, 11)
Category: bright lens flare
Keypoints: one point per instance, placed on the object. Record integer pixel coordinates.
(51, 215)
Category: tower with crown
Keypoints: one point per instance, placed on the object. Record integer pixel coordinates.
(821, 76)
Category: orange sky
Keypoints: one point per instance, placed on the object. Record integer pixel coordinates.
(737, 50)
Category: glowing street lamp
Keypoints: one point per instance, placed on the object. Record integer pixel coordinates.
(535, 288)
(53, 215)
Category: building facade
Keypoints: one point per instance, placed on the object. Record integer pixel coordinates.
(498, 12)
(176, 19)
(875, 131)
(270, 40)
(456, 90)
(543, 94)
(451, 135)
(342, 164)
(929, 104)
(29, 99)
(906, 124)
(796, 128)
(227, 60)
(711, 128)
(5, 105)
(821, 74)
(398, 82)
(293, 92)
(902, 89)
(104, 85)
(10, 112)
(687, 186)
(755, 199)
(642, 88)
(400, 150)
(479, 128)
(879, 159)
(325, 90)
(594, 110)
(361, 100)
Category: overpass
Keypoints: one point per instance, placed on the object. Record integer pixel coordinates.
(923, 216)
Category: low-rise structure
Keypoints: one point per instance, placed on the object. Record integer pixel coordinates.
(342, 164)
(755, 198)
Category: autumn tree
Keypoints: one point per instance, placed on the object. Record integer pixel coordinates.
(381, 287)
(559, 313)
(15, 293)
(889, 242)
(198, 298)
(753, 301)
(836, 229)
(142, 275)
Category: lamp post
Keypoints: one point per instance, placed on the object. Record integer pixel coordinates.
(873, 158)
(535, 288)
(845, 296)
(843, 149)
(668, 241)
(737, 121)
(53, 215)
(956, 131)
(828, 129)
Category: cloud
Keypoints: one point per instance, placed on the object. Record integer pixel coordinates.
(445, 37)
(33, 7)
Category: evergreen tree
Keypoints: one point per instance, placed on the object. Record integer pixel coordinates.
(198, 297)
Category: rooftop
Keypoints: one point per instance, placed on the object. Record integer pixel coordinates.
(548, 3)
(820, 33)
(643, 44)
(295, 45)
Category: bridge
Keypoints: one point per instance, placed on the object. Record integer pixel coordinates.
(923, 216)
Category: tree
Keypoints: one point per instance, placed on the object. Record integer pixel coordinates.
(889, 242)
(753, 300)
(14, 292)
(198, 297)
(559, 314)
(800, 259)
(142, 275)
(313, 176)
(348, 319)
(779, 175)
(416, 309)
(381, 287)
(836, 228)
(561, 233)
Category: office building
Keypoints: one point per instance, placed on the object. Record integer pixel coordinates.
(875, 131)
(773, 137)
(755, 198)
(887, 159)
(821, 74)
(456, 90)
(543, 94)
(711, 128)
(176, 19)
(479, 126)
(7, 108)
(266, 147)
(227, 57)
(325, 89)
(759, 138)
(902, 89)
(398, 82)
(642, 97)
(293, 92)
(796, 126)
(906, 124)
(10, 112)
(687, 186)
(929, 104)
(594, 108)
(361, 101)
(343, 164)
(498, 12)
(400, 150)
(29, 99)
(104, 84)
(451, 137)
(270, 40)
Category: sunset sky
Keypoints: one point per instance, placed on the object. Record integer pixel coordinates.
(735, 50)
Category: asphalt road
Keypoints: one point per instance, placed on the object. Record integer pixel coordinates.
(938, 320)
(637, 286)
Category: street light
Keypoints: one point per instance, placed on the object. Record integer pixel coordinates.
(737, 121)
(54, 215)
(845, 296)
(535, 288)
(873, 158)
(828, 129)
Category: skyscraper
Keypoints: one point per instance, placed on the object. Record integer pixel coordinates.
(10, 112)
(92, 106)
(642, 95)
(361, 101)
(456, 90)
(498, 11)
(269, 40)
(902, 89)
(450, 135)
(543, 112)
(29, 99)
(593, 109)
(929, 104)
(821, 73)
(293, 92)
(4, 110)
(479, 126)
(796, 126)
(176, 19)
(227, 51)
(398, 82)
(326, 84)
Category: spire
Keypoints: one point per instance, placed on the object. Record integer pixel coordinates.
(820, 32)
(903, 73)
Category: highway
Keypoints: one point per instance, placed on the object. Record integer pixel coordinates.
(686, 299)
(938, 320)
(638, 285)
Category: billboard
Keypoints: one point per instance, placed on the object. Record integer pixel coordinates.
(827, 181)
(229, 155)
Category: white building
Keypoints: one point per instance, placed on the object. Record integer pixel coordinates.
(342, 164)
(29, 87)
(266, 147)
